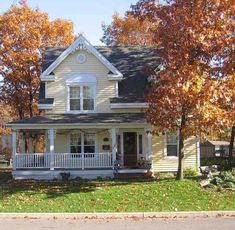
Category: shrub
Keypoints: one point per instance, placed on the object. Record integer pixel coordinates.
(229, 184)
(227, 176)
(190, 172)
(166, 175)
(217, 181)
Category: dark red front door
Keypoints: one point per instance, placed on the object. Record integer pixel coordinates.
(130, 149)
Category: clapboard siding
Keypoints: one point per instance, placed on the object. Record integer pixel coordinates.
(58, 90)
(161, 163)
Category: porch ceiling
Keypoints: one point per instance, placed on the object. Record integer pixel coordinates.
(84, 119)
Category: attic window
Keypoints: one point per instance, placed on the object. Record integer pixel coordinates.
(81, 58)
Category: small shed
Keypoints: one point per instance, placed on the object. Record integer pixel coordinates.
(214, 149)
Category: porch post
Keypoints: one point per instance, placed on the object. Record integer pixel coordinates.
(150, 150)
(114, 145)
(14, 149)
(52, 147)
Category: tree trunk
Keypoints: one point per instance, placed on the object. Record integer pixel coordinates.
(30, 104)
(180, 172)
(231, 146)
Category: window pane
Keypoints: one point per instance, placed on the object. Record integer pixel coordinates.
(89, 149)
(75, 149)
(88, 104)
(88, 92)
(140, 145)
(89, 139)
(75, 139)
(171, 150)
(75, 92)
(172, 139)
(74, 104)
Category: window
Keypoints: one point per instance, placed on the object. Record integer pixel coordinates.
(88, 98)
(81, 98)
(172, 145)
(75, 102)
(75, 143)
(82, 143)
(89, 144)
(140, 143)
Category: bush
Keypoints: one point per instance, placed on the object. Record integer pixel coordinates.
(190, 172)
(227, 176)
(166, 175)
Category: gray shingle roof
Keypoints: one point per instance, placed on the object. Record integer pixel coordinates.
(131, 61)
(103, 118)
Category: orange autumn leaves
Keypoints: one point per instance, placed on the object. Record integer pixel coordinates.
(195, 40)
(24, 35)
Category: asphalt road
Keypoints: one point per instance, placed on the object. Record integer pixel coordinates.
(67, 224)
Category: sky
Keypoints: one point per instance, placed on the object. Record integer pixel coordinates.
(87, 15)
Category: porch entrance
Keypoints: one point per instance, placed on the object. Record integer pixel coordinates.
(130, 149)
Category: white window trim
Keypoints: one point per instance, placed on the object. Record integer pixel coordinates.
(81, 98)
(165, 150)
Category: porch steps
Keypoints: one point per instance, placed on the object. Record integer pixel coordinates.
(130, 174)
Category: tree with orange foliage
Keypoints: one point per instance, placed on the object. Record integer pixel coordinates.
(133, 29)
(24, 35)
(195, 40)
(187, 94)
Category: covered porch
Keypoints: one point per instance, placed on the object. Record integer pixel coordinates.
(81, 147)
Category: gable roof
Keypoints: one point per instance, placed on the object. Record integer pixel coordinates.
(131, 61)
(81, 43)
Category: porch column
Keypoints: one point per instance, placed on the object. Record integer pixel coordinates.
(14, 149)
(52, 147)
(114, 144)
(150, 150)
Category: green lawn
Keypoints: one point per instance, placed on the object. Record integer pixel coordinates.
(110, 196)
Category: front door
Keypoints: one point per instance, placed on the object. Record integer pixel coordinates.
(130, 149)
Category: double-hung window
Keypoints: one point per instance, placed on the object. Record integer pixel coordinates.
(82, 143)
(171, 145)
(82, 98)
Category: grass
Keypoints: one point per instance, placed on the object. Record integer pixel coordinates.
(110, 196)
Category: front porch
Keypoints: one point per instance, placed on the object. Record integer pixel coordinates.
(79, 151)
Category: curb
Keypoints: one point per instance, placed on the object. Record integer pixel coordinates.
(129, 215)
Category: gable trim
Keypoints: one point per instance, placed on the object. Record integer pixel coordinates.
(81, 43)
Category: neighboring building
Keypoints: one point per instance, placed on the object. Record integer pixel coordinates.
(214, 149)
(94, 103)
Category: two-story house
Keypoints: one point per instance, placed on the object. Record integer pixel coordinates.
(93, 121)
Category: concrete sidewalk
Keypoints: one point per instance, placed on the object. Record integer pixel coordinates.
(131, 216)
(225, 223)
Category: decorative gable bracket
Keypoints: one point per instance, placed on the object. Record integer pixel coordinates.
(81, 43)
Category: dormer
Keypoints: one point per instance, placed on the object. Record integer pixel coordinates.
(79, 83)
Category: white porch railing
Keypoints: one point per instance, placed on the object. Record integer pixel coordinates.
(64, 160)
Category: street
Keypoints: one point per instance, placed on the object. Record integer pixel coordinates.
(71, 224)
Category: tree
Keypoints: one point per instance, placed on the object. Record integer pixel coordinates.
(133, 29)
(24, 35)
(195, 40)
(194, 37)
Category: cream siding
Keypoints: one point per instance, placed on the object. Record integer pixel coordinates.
(58, 90)
(161, 163)
(105, 89)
